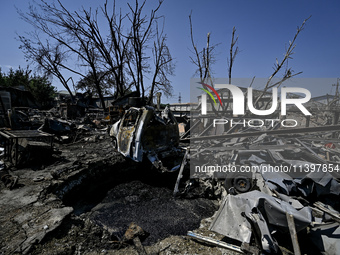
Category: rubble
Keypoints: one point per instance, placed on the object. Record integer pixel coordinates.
(281, 181)
(135, 233)
(141, 132)
(152, 208)
(53, 200)
(89, 198)
(256, 212)
(20, 146)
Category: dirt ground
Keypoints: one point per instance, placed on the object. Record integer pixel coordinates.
(164, 218)
(82, 200)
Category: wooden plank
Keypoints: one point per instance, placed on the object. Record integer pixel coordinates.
(293, 235)
(335, 216)
(180, 173)
(215, 242)
(311, 151)
(286, 131)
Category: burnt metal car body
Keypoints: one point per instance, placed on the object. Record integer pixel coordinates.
(142, 132)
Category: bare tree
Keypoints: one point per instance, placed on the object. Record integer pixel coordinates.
(49, 58)
(204, 59)
(288, 72)
(163, 67)
(68, 31)
(230, 61)
(141, 34)
(232, 53)
(114, 51)
(120, 54)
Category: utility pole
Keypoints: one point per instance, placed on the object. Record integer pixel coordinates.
(337, 88)
(336, 112)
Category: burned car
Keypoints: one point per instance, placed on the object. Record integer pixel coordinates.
(145, 133)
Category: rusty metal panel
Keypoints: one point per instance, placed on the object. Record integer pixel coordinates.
(127, 130)
(147, 132)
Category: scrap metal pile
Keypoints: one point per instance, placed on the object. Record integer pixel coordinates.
(277, 186)
(142, 132)
(282, 184)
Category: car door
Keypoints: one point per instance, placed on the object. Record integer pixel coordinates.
(127, 129)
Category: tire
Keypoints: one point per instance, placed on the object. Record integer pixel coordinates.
(241, 183)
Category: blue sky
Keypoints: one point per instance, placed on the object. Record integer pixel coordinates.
(264, 27)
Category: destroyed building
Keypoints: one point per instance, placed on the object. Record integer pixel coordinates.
(281, 180)
(105, 184)
(142, 133)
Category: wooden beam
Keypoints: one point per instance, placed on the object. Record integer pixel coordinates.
(293, 235)
(286, 131)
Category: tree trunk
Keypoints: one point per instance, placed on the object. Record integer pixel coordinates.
(100, 94)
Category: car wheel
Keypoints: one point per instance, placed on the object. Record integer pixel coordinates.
(240, 183)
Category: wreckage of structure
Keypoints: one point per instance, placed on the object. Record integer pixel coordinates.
(166, 180)
(282, 181)
(142, 133)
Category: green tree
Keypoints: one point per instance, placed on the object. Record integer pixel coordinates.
(88, 84)
(42, 91)
(39, 86)
(19, 77)
(2, 78)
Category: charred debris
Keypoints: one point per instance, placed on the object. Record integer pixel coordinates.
(288, 203)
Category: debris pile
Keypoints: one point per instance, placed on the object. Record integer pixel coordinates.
(143, 133)
(281, 183)
(112, 186)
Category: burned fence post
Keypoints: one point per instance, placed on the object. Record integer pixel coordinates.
(293, 235)
(307, 120)
(335, 121)
(180, 173)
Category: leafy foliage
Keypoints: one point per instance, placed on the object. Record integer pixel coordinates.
(87, 83)
(39, 86)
